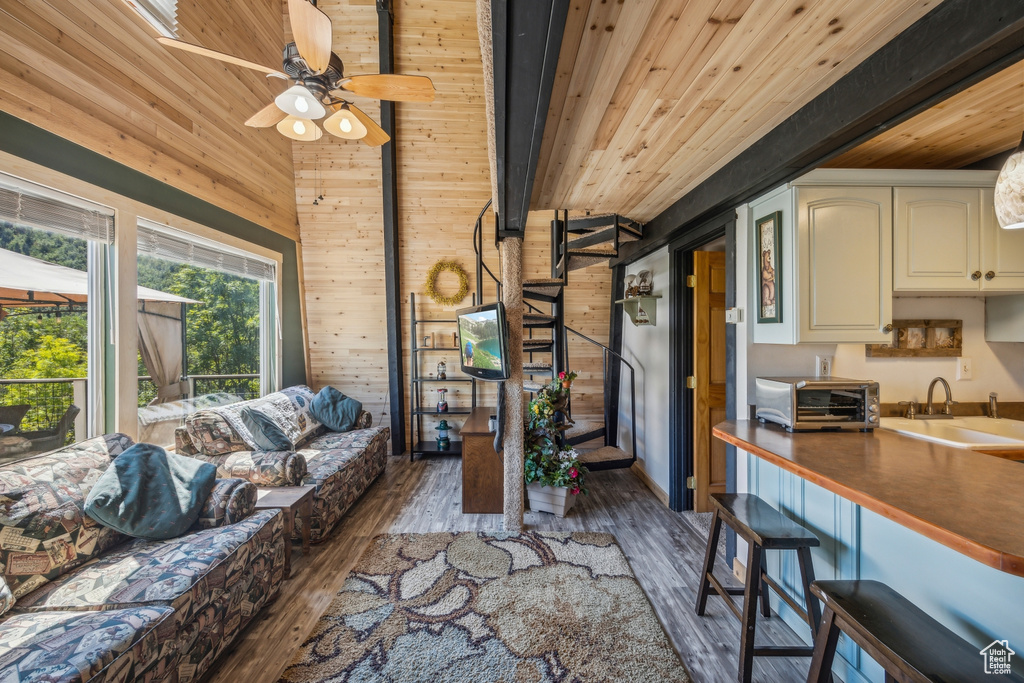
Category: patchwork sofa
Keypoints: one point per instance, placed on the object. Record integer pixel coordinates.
(80, 601)
(341, 465)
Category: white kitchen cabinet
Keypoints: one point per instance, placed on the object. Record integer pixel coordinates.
(844, 246)
(947, 240)
(1002, 252)
(836, 279)
(937, 239)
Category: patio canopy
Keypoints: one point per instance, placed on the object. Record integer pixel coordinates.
(27, 281)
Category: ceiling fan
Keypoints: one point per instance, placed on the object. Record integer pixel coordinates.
(320, 84)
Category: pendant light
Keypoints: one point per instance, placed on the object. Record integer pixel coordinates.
(300, 129)
(300, 102)
(344, 124)
(1009, 197)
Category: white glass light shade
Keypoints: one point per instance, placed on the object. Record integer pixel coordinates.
(344, 124)
(298, 101)
(299, 129)
(1009, 197)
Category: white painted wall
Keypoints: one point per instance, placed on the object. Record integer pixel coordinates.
(997, 366)
(647, 349)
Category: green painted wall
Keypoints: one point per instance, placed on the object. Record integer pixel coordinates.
(34, 144)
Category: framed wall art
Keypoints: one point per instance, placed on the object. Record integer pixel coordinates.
(768, 271)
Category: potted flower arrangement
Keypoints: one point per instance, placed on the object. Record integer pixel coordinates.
(553, 473)
(567, 378)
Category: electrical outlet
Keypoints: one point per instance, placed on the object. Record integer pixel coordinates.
(823, 366)
(963, 369)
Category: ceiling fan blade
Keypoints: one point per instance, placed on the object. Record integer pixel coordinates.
(220, 56)
(311, 31)
(395, 87)
(269, 116)
(375, 135)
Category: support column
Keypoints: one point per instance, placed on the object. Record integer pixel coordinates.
(512, 296)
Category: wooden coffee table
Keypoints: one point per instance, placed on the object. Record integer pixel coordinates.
(291, 500)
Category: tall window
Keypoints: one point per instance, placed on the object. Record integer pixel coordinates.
(211, 338)
(53, 251)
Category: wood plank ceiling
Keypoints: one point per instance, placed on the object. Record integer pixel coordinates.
(94, 74)
(981, 122)
(651, 97)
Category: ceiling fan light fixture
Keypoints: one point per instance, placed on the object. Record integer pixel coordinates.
(1009, 196)
(300, 102)
(344, 124)
(298, 128)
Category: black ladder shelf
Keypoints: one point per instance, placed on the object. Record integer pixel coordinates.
(428, 446)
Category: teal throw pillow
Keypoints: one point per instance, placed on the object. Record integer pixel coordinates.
(149, 493)
(267, 434)
(336, 410)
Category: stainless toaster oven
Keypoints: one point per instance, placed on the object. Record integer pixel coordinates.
(817, 403)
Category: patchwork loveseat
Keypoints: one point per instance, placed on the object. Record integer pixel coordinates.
(341, 465)
(80, 601)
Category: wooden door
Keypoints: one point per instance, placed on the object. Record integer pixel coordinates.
(709, 375)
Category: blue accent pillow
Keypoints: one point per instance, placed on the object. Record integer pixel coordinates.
(337, 411)
(149, 493)
(267, 434)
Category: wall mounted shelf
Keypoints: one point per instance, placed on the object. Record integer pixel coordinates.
(642, 310)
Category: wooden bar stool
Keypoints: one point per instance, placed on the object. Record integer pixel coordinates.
(763, 528)
(910, 645)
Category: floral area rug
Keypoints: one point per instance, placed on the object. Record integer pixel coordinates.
(476, 607)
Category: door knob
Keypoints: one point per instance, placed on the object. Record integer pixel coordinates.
(887, 329)
(976, 275)
(989, 275)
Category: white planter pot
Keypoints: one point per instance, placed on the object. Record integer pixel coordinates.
(550, 499)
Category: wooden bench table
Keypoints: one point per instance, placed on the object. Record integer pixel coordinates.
(292, 501)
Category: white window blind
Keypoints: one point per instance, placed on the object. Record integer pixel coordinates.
(166, 243)
(161, 14)
(26, 203)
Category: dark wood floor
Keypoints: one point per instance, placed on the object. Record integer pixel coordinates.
(664, 551)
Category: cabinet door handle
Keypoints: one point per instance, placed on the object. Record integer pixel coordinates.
(989, 275)
(976, 275)
(887, 329)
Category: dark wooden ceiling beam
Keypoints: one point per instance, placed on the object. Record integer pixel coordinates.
(526, 36)
(953, 47)
(392, 272)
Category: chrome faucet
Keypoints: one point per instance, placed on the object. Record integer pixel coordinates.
(929, 411)
(993, 406)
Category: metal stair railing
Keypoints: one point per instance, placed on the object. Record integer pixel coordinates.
(606, 352)
(605, 365)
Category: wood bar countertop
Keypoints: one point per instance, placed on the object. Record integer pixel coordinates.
(971, 502)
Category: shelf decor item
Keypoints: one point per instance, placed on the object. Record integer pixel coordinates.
(444, 442)
(567, 378)
(431, 284)
(921, 339)
(768, 268)
(442, 402)
(442, 369)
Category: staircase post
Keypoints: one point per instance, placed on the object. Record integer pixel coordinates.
(558, 228)
(511, 249)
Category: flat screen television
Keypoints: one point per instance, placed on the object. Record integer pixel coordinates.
(483, 341)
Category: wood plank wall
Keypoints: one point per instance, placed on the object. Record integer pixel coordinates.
(92, 73)
(443, 184)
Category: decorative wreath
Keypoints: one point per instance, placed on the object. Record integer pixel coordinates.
(451, 267)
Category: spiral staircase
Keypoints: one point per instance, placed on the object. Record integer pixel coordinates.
(575, 243)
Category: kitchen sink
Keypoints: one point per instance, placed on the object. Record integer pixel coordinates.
(976, 432)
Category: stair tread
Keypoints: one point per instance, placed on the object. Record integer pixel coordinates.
(584, 426)
(535, 365)
(530, 385)
(537, 317)
(543, 282)
(603, 454)
(593, 251)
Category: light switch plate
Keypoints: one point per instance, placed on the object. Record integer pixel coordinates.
(963, 368)
(823, 366)
(733, 316)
